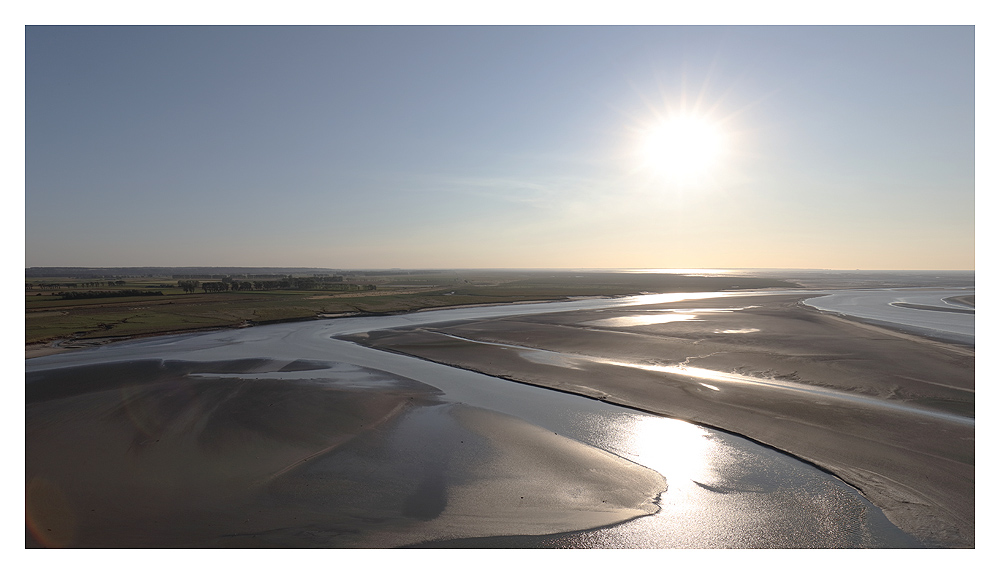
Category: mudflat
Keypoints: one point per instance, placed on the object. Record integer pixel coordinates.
(277, 453)
(891, 414)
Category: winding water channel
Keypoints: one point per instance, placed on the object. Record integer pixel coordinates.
(722, 490)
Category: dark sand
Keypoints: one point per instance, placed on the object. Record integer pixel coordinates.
(919, 468)
(192, 454)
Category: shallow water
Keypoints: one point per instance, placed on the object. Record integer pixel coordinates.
(700, 376)
(922, 311)
(722, 490)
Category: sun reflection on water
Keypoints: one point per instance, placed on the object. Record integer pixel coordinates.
(638, 320)
(726, 492)
(659, 316)
(680, 451)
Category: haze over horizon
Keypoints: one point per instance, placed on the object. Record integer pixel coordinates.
(501, 147)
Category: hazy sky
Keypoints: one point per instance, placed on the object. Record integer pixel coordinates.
(375, 147)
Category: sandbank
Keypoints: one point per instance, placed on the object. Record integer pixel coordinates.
(891, 414)
(189, 454)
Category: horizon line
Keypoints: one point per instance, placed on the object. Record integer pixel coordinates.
(581, 269)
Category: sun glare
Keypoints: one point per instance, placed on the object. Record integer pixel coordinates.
(682, 148)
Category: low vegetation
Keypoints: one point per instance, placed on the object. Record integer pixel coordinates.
(67, 307)
(108, 294)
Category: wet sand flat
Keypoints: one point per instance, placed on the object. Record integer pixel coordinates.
(890, 413)
(277, 453)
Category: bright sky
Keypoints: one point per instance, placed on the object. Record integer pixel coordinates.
(377, 147)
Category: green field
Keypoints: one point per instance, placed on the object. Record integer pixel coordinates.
(49, 317)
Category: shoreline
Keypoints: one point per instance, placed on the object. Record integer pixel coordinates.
(59, 345)
(862, 488)
(890, 496)
(921, 477)
(600, 397)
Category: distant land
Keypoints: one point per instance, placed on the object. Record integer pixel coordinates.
(153, 271)
(97, 272)
(69, 306)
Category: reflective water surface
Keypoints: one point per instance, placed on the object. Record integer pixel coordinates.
(722, 490)
(735, 378)
(919, 310)
(661, 316)
(700, 375)
(727, 492)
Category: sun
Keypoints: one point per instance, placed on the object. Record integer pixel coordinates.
(682, 148)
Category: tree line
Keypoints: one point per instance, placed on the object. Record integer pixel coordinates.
(103, 294)
(48, 286)
(288, 283)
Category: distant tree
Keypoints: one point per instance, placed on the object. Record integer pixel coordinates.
(107, 294)
(188, 285)
(214, 286)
